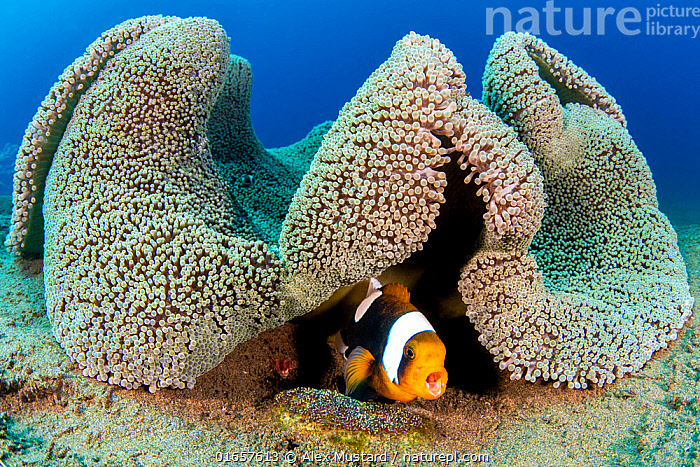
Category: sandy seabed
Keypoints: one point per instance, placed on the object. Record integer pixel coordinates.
(50, 415)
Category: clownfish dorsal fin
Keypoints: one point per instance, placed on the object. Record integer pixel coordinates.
(398, 291)
(358, 369)
(373, 291)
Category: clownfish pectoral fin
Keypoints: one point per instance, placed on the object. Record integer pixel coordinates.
(358, 369)
(398, 291)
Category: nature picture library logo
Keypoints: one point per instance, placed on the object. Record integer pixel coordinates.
(658, 20)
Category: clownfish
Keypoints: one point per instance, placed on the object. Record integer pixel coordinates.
(391, 349)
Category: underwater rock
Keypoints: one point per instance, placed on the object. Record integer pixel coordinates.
(332, 410)
(604, 285)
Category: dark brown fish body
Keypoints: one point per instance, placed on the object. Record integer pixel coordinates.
(392, 349)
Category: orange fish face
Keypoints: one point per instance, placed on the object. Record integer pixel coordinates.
(422, 371)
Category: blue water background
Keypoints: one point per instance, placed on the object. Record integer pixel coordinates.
(310, 57)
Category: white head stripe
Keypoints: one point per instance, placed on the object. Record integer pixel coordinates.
(365, 304)
(403, 329)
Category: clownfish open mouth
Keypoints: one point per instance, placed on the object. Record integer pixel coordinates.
(433, 383)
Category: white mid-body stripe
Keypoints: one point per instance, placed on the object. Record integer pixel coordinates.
(403, 329)
(366, 303)
(373, 291)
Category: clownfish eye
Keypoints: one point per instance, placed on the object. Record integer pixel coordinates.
(409, 353)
